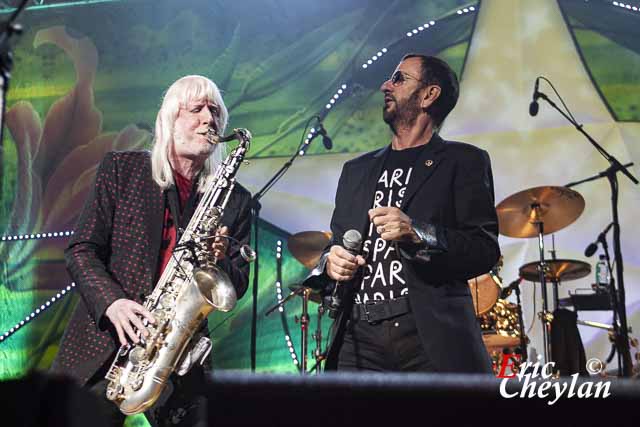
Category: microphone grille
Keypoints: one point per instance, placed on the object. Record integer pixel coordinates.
(352, 240)
(591, 249)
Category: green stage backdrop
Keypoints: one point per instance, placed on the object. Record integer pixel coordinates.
(89, 78)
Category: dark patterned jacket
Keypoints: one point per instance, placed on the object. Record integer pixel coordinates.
(114, 253)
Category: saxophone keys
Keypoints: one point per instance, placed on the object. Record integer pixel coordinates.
(167, 301)
(137, 355)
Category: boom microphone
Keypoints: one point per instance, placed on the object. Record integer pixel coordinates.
(326, 141)
(534, 106)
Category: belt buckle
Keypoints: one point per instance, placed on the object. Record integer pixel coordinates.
(378, 307)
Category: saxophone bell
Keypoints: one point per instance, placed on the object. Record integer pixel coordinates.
(216, 287)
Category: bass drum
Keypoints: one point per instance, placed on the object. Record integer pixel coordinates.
(485, 291)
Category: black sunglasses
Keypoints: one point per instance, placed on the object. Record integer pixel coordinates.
(398, 77)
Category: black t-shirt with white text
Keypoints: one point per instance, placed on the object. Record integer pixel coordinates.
(383, 277)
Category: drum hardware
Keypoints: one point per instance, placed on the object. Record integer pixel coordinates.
(306, 247)
(535, 212)
(598, 325)
(304, 329)
(318, 354)
(307, 295)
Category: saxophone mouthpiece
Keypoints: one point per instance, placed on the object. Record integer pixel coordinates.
(214, 138)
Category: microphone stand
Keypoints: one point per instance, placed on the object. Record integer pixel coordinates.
(612, 296)
(255, 210)
(523, 339)
(612, 176)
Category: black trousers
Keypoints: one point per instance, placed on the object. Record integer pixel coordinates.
(388, 345)
(182, 404)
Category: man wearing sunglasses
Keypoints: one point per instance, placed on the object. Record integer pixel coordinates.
(425, 209)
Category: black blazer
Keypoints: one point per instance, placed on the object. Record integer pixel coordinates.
(451, 193)
(114, 253)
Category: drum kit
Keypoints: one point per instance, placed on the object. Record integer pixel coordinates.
(531, 213)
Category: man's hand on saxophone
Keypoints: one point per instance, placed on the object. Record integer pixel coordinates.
(221, 244)
(125, 314)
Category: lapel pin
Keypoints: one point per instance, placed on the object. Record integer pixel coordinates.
(428, 163)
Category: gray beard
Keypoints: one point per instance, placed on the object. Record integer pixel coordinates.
(404, 116)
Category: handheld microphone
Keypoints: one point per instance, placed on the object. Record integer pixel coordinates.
(351, 241)
(534, 106)
(326, 140)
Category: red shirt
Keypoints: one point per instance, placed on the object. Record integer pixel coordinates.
(184, 186)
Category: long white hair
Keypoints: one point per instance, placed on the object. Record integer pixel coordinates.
(180, 93)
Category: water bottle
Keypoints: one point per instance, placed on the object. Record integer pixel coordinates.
(602, 272)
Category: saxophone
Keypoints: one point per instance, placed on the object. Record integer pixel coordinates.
(190, 288)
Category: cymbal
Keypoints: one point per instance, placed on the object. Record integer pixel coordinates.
(307, 246)
(313, 295)
(559, 270)
(555, 207)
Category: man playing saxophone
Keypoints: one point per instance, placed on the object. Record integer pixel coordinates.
(139, 206)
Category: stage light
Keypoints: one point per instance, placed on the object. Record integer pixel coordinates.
(409, 34)
(36, 312)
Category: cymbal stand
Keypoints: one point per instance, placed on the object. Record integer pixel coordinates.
(319, 356)
(556, 298)
(544, 315)
(523, 339)
(304, 329)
